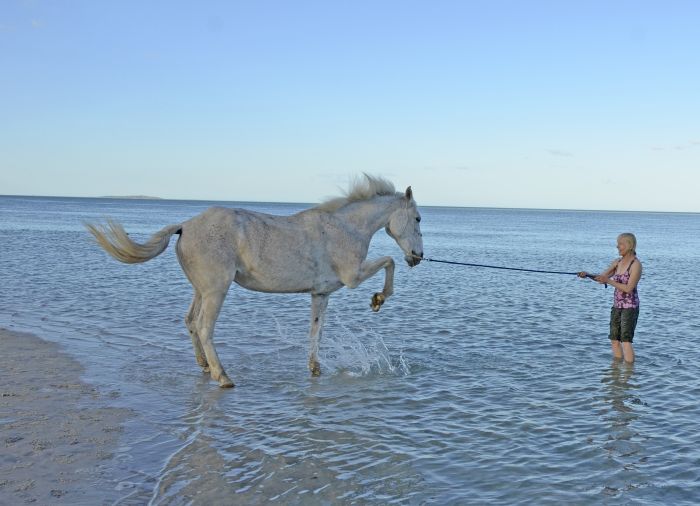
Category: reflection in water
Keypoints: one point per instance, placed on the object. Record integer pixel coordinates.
(233, 454)
(195, 455)
(624, 445)
(617, 388)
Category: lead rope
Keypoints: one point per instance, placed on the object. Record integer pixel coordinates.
(591, 276)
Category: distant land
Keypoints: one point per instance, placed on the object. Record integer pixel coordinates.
(132, 197)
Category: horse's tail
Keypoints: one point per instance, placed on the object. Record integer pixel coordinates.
(115, 241)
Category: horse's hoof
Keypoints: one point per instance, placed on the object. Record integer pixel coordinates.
(377, 301)
(225, 382)
(205, 368)
(315, 369)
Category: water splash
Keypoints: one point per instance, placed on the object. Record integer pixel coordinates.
(360, 353)
(353, 352)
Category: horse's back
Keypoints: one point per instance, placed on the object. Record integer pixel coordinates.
(260, 251)
(218, 232)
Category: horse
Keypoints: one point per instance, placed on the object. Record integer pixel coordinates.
(316, 251)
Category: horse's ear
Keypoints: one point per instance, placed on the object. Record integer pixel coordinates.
(409, 193)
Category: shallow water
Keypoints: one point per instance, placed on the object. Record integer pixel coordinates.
(470, 386)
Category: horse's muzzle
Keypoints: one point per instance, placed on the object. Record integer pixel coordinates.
(414, 258)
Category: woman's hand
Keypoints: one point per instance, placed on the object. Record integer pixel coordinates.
(602, 279)
(582, 274)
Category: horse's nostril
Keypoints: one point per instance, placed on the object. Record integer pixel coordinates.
(419, 255)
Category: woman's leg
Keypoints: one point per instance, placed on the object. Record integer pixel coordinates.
(617, 349)
(628, 351)
(615, 324)
(628, 323)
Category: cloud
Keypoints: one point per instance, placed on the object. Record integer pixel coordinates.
(559, 152)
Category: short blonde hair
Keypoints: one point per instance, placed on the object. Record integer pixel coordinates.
(630, 239)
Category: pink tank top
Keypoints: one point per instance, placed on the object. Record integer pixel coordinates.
(621, 299)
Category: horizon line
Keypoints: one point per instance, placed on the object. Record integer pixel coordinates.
(154, 198)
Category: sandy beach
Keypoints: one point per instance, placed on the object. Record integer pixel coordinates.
(57, 433)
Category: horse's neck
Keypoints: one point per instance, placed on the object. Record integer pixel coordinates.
(369, 215)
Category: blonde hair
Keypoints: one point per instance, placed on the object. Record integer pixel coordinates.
(630, 239)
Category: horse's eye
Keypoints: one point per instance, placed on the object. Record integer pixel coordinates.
(418, 219)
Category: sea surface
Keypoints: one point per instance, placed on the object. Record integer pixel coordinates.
(470, 386)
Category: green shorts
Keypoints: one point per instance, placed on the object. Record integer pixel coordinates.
(622, 324)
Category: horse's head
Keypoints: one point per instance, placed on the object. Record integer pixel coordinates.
(404, 228)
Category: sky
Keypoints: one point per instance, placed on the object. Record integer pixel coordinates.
(521, 104)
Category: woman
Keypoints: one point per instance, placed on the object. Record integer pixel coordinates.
(624, 275)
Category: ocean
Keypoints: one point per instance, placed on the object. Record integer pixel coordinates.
(470, 386)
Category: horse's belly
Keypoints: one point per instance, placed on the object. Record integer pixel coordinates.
(283, 283)
(270, 285)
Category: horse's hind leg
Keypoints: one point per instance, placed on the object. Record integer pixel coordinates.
(191, 322)
(209, 311)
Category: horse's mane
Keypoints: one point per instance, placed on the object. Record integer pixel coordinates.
(360, 189)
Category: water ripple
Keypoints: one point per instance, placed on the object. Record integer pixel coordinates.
(469, 387)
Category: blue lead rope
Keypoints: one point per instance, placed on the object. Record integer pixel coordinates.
(592, 276)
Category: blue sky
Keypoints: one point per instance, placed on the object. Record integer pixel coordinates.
(543, 104)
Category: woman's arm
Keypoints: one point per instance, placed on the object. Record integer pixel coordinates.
(635, 276)
(610, 270)
(605, 274)
(604, 277)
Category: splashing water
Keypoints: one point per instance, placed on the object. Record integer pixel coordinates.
(360, 354)
(353, 352)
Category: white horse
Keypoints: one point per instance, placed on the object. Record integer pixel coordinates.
(316, 251)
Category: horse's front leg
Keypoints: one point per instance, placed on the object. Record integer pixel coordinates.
(369, 269)
(319, 303)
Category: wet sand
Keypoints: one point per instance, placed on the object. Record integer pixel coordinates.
(57, 433)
